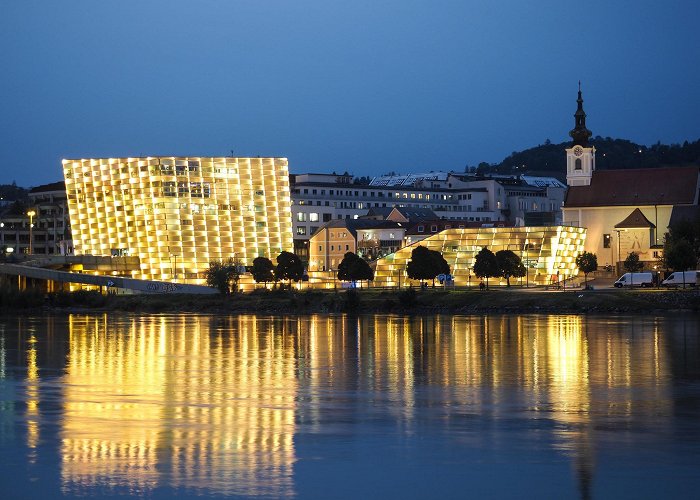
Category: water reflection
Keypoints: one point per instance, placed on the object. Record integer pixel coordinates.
(211, 405)
(190, 402)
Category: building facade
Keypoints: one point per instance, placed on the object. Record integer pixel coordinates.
(40, 229)
(177, 214)
(370, 239)
(320, 198)
(548, 253)
(625, 210)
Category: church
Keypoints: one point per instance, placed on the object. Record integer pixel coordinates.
(626, 210)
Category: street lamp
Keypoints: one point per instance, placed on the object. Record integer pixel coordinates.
(31, 215)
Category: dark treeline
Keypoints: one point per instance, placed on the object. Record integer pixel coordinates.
(549, 159)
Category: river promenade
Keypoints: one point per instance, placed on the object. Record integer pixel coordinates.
(406, 301)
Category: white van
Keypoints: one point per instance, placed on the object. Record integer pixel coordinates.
(635, 279)
(678, 278)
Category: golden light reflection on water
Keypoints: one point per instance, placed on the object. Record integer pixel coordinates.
(213, 404)
(188, 402)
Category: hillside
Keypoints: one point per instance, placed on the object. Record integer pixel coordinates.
(549, 159)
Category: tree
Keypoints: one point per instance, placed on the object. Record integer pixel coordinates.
(419, 267)
(679, 256)
(354, 268)
(289, 267)
(509, 264)
(426, 264)
(486, 265)
(263, 270)
(586, 262)
(223, 275)
(632, 265)
(440, 264)
(688, 230)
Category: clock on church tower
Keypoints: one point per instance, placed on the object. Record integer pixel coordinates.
(580, 157)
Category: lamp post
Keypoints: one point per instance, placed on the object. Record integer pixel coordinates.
(31, 214)
(619, 256)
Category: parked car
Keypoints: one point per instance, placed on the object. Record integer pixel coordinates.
(680, 278)
(644, 279)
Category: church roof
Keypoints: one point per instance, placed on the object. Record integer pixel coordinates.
(635, 220)
(640, 187)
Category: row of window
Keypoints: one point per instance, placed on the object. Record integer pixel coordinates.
(524, 205)
(340, 248)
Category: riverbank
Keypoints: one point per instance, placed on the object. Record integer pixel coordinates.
(409, 301)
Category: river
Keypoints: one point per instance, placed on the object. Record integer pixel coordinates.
(334, 406)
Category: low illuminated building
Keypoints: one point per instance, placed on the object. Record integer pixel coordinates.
(370, 239)
(177, 214)
(549, 253)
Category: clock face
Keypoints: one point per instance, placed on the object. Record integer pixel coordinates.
(578, 150)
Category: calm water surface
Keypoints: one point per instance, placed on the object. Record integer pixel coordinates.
(346, 407)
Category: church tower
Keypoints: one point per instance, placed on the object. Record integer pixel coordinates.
(580, 157)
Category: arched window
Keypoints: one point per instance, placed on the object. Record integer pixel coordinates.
(577, 164)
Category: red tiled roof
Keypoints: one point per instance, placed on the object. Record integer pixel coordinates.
(634, 220)
(649, 186)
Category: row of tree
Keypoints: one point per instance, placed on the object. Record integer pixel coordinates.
(681, 252)
(225, 275)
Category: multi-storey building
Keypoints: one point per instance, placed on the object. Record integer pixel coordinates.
(320, 198)
(40, 229)
(177, 214)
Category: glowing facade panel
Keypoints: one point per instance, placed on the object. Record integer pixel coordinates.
(179, 213)
(549, 253)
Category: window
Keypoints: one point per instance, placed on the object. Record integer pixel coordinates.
(433, 228)
(301, 217)
(606, 241)
(327, 217)
(313, 217)
(577, 164)
(301, 230)
(347, 247)
(421, 229)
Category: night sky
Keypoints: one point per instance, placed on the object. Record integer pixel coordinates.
(364, 86)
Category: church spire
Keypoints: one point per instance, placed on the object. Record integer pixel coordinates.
(580, 134)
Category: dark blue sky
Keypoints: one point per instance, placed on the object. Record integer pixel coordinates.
(367, 86)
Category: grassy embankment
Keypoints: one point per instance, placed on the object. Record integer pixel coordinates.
(406, 301)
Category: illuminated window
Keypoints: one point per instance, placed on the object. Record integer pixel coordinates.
(313, 217)
(606, 241)
(301, 217)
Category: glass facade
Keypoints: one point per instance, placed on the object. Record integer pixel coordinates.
(179, 213)
(548, 252)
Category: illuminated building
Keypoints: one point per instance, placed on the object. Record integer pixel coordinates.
(548, 253)
(47, 226)
(179, 213)
(369, 239)
(511, 199)
(624, 210)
